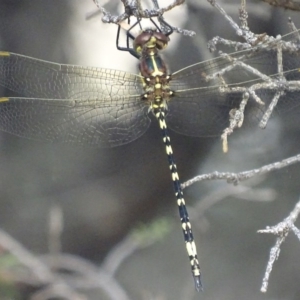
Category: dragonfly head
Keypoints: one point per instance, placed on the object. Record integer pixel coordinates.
(151, 40)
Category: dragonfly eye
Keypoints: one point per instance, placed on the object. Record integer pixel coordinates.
(161, 40)
(160, 45)
(141, 40)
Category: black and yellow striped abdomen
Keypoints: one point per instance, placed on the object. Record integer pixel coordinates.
(159, 110)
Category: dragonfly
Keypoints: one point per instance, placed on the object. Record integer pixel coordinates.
(108, 108)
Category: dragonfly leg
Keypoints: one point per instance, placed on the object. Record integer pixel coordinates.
(129, 36)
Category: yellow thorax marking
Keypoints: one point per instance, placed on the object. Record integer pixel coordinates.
(156, 71)
(4, 99)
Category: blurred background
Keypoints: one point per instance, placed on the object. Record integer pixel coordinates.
(106, 193)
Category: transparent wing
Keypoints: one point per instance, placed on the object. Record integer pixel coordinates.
(73, 121)
(206, 113)
(36, 78)
(207, 92)
(262, 57)
(72, 104)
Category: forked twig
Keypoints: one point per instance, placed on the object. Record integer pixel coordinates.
(281, 230)
(134, 8)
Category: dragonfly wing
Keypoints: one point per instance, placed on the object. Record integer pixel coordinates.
(206, 113)
(70, 121)
(36, 78)
(235, 69)
(202, 113)
(200, 108)
(73, 104)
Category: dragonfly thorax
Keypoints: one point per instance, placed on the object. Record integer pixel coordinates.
(157, 89)
(147, 45)
(152, 67)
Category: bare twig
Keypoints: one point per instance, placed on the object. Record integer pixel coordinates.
(248, 193)
(251, 39)
(135, 9)
(281, 230)
(257, 46)
(38, 269)
(83, 275)
(79, 274)
(235, 178)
